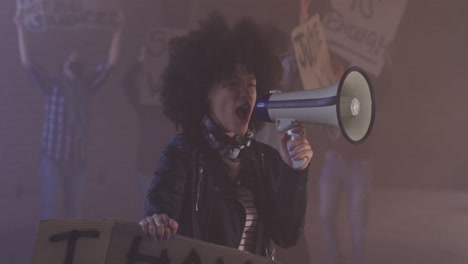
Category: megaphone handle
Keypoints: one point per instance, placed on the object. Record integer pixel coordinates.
(296, 163)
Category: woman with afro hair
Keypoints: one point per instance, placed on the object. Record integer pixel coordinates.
(214, 182)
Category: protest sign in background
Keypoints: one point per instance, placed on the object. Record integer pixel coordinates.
(361, 31)
(40, 15)
(312, 54)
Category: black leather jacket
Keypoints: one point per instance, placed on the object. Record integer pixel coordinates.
(191, 185)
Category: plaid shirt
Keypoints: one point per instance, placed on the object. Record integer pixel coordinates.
(61, 141)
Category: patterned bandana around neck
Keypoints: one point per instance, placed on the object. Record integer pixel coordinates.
(227, 147)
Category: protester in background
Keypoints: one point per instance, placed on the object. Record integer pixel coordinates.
(348, 167)
(67, 98)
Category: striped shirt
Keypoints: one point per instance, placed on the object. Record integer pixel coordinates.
(63, 140)
(249, 236)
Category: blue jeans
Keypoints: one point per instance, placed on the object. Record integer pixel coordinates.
(62, 186)
(354, 176)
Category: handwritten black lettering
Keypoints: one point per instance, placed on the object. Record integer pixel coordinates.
(72, 238)
(366, 7)
(192, 258)
(31, 10)
(315, 43)
(310, 50)
(39, 14)
(366, 10)
(310, 44)
(373, 41)
(304, 52)
(133, 256)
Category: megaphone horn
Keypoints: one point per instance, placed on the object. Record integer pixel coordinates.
(348, 105)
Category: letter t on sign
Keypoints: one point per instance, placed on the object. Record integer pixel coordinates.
(72, 237)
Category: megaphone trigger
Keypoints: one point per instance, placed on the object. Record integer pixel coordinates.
(285, 124)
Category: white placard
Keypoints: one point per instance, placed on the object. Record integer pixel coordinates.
(362, 30)
(40, 15)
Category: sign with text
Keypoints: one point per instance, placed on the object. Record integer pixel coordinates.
(33, 14)
(155, 61)
(40, 15)
(108, 241)
(312, 54)
(362, 30)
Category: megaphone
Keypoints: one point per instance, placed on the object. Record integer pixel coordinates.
(348, 105)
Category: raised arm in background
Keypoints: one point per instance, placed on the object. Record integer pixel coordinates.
(116, 43)
(22, 41)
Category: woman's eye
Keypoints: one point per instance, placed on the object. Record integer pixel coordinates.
(232, 84)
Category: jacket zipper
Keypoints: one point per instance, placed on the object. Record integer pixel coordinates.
(263, 164)
(268, 254)
(200, 180)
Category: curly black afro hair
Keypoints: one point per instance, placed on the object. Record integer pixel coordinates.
(204, 57)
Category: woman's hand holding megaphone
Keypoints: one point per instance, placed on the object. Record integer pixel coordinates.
(295, 149)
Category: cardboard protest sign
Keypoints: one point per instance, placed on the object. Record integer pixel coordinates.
(33, 14)
(155, 61)
(312, 54)
(40, 15)
(108, 241)
(362, 30)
